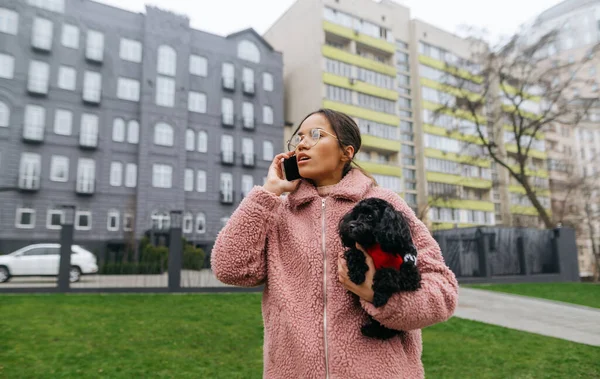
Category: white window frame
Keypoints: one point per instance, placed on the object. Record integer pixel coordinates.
(50, 5)
(30, 168)
(18, 216)
(162, 175)
(78, 214)
(133, 132)
(188, 219)
(88, 132)
(202, 141)
(63, 122)
(67, 78)
(49, 214)
(248, 114)
(165, 92)
(201, 219)
(228, 74)
(116, 174)
(268, 151)
(113, 213)
(7, 66)
(131, 175)
(130, 50)
(201, 181)
(227, 147)
(128, 89)
(94, 49)
(197, 102)
(267, 115)
(227, 110)
(198, 65)
(4, 115)
(35, 122)
(118, 130)
(248, 51)
(57, 162)
(92, 87)
(126, 216)
(188, 180)
(248, 151)
(247, 184)
(9, 21)
(42, 33)
(268, 81)
(226, 186)
(70, 36)
(167, 60)
(190, 140)
(164, 134)
(38, 77)
(86, 176)
(248, 79)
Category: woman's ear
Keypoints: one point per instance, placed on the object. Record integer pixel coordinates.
(349, 150)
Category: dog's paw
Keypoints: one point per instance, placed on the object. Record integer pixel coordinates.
(380, 298)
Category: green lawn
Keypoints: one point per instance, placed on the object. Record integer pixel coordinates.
(220, 336)
(576, 293)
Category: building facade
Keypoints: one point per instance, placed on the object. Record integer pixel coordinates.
(128, 117)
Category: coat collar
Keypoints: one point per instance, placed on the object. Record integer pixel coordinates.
(353, 186)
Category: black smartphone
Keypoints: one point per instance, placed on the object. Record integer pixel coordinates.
(290, 168)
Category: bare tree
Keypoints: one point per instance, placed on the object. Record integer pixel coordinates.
(519, 93)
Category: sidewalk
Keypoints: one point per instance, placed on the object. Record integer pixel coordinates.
(555, 319)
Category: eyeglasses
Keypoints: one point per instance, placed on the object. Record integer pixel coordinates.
(309, 139)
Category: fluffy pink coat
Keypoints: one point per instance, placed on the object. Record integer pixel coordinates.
(311, 322)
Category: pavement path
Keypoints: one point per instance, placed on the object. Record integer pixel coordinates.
(549, 318)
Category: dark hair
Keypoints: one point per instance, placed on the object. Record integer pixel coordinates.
(346, 131)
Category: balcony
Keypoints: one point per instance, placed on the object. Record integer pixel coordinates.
(92, 97)
(248, 87)
(33, 135)
(85, 187)
(226, 197)
(228, 83)
(381, 168)
(248, 123)
(88, 142)
(379, 44)
(248, 160)
(29, 183)
(227, 158)
(227, 120)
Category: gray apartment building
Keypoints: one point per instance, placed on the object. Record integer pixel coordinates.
(128, 116)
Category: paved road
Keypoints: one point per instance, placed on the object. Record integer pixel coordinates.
(549, 318)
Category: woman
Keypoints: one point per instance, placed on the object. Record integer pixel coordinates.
(312, 312)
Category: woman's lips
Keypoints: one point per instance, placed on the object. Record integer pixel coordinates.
(303, 161)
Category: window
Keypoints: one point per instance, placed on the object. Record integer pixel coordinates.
(35, 122)
(248, 114)
(51, 5)
(63, 122)
(227, 111)
(95, 46)
(130, 50)
(226, 187)
(30, 171)
(7, 66)
(131, 175)
(228, 75)
(167, 60)
(339, 94)
(248, 151)
(4, 115)
(202, 141)
(116, 174)
(133, 131)
(190, 140)
(25, 218)
(197, 102)
(268, 115)
(248, 78)
(188, 180)
(247, 184)
(128, 89)
(227, 148)
(224, 221)
(248, 51)
(9, 21)
(201, 223)
(83, 220)
(41, 37)
(70, 36)
(376, 103)
(86, 176)
(54, 219)
(268, 151)
(160, 220)
(92, 86)
(162, 176)
(112, 222)
(267, 81)
(374, 78)
(127, 222)
(165, 92)
(59, 168)
(67, 78)
(163, 134)
(38, 77)
(89, 130)
(201, 181)
(188, 222)
(198, 65)
(118, 131)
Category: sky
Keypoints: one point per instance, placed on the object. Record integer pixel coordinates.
(222, 17)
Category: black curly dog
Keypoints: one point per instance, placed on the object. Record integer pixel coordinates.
(375, 221)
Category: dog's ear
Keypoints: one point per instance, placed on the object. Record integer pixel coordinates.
(344, 229)
(393, 232)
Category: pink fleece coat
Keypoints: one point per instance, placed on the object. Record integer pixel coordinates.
(311, 322)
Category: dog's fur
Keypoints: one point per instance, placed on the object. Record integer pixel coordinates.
(375, 221)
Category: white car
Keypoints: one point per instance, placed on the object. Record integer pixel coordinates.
(43, 260)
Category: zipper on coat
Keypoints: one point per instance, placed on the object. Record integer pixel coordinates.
(324, 286)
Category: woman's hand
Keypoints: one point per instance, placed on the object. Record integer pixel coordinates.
(276, 181)
(365, 290)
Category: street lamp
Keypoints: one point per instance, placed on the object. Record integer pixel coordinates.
(66, 241)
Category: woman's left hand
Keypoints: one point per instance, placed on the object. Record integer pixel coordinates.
(365, 290)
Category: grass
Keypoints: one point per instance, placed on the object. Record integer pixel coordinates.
(587, 294)
(220, 336)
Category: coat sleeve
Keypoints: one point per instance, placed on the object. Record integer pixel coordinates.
(239, 254)
(436, 300)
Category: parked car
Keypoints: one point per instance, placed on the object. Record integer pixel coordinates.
(43, 260)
